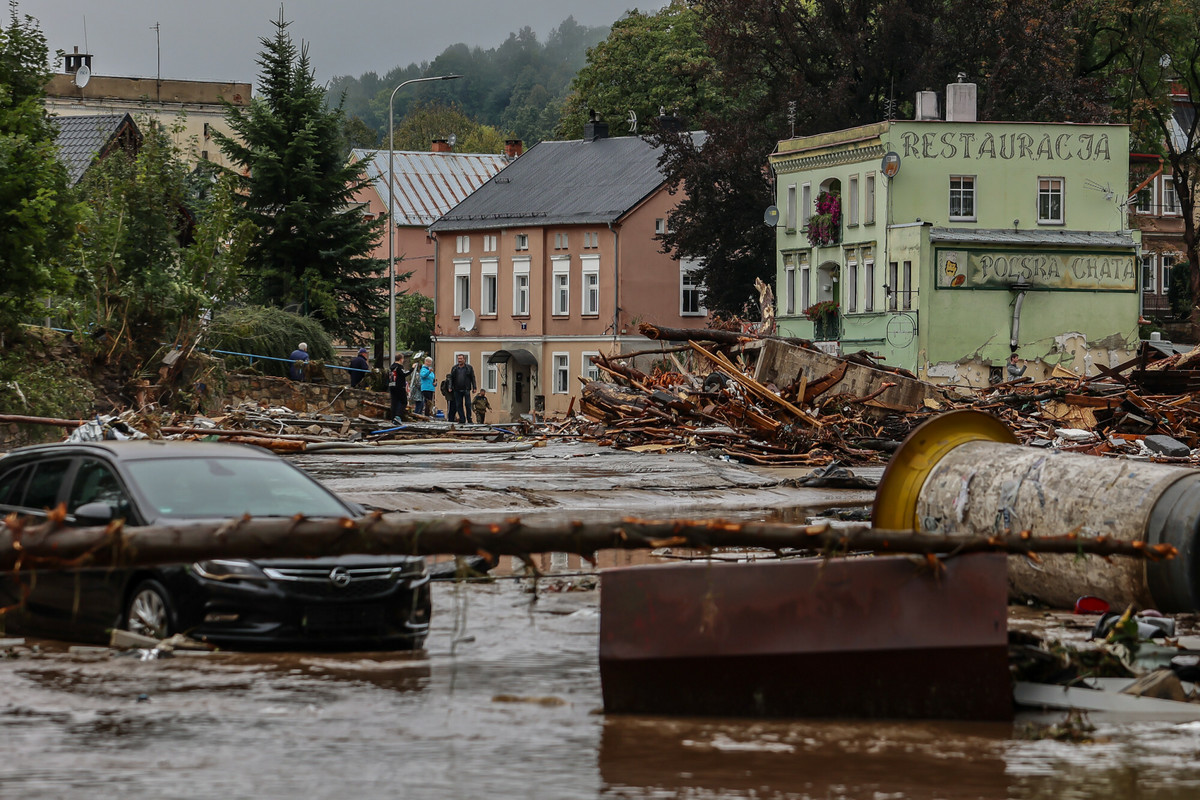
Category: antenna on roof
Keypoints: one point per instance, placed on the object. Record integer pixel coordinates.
(632, 120)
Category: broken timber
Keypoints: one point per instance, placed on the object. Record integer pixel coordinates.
(54, 546)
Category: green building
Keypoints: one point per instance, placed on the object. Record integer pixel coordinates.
(944, 245)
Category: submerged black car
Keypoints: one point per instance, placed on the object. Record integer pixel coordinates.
(343, 601)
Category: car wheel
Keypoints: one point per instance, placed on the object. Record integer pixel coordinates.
(149, 611)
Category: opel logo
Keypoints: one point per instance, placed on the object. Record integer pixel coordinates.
(339, 577)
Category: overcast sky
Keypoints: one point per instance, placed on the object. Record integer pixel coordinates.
(218, 39)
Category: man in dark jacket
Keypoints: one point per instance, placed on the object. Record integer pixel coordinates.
(358, 367)
(398, 387)
(462, 385)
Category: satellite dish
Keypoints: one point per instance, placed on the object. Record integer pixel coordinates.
(771, 217)
(83, 75)
(890, 164)
(466, 320)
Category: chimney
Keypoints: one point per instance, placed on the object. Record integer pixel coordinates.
(594, 129)
(441, 146)
(513, 148)
(927, 106)
(669, 122)
(73, 61)
(960, 101)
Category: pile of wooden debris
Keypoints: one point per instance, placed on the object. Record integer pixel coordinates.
(777, 401)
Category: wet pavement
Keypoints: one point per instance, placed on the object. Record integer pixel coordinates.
(505, 700)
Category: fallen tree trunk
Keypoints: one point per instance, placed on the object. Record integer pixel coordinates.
(711, 335)
(50, 545)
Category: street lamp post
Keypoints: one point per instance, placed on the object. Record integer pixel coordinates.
(391, 221)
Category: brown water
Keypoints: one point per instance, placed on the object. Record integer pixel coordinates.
(504, 703)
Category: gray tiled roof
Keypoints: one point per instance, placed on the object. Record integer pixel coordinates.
(1007, 236)
(557, 183)
(427, 184)
(80, 139)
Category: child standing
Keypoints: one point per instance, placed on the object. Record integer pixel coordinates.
(480, 405)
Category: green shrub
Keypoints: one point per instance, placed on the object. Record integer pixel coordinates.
(266, 331)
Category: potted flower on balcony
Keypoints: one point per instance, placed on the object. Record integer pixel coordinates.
(825, 227)
(825, 319)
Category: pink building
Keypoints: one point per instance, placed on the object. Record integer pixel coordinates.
(553, 260)
(427, 185)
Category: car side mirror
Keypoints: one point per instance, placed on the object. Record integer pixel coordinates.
(93, 514)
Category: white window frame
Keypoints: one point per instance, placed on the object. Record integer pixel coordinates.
(869, 200)
(1143, 201)
(789, 284)
(852, 202)
(489, 243)
(806, 201)
(868, 258)
(489, 287)
(561, 367)
(789, 210)
(589, 291)
(560, 286)
(893, 284)
(906, 302)
(1149, 273)
(1166, 264)
(462, 244)
(1050, 187)
(660, 226)
(462, 285)
(588, 369)
(964, 191)
(491, 373)
(687, 268)
(1170, 196)
(805, 282)
(521, 241)
(520, 268)
(850, 285)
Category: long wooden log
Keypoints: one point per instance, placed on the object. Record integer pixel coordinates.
(50, 545)
(711, 335)
(26, 420)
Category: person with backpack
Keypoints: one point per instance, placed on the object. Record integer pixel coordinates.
(462, 386)
(398, 387)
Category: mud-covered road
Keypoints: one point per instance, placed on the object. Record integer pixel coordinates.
(505, 701)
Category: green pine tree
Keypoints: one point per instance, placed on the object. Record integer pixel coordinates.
(35, 200)
(312, 250)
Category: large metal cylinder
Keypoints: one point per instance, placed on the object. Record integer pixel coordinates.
(961, 474)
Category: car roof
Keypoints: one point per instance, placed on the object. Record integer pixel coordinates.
(138, 449)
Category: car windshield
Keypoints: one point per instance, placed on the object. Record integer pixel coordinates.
(229, 487)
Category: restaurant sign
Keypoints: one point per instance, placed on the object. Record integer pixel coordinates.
(1044, 269)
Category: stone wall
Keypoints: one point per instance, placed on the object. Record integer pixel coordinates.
(312, 398)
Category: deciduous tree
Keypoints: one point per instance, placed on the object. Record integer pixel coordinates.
(36, 206)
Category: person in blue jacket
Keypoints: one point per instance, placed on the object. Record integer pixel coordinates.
(428, 387)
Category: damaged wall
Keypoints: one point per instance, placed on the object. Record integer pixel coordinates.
(1067, 354)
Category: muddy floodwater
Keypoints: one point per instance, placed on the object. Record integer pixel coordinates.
(505, 702)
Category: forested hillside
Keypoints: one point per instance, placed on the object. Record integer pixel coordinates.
(517, 88)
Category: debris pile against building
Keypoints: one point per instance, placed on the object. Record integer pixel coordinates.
(775, 401)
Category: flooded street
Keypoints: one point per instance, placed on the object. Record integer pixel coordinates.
(505, 702)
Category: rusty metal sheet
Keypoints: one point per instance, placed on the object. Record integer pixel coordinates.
(872, 637)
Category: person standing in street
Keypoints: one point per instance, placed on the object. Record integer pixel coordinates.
(462, 385)
(299, 369)
(358, 367)
(428, 386)
(481, 406)
(398, 387)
